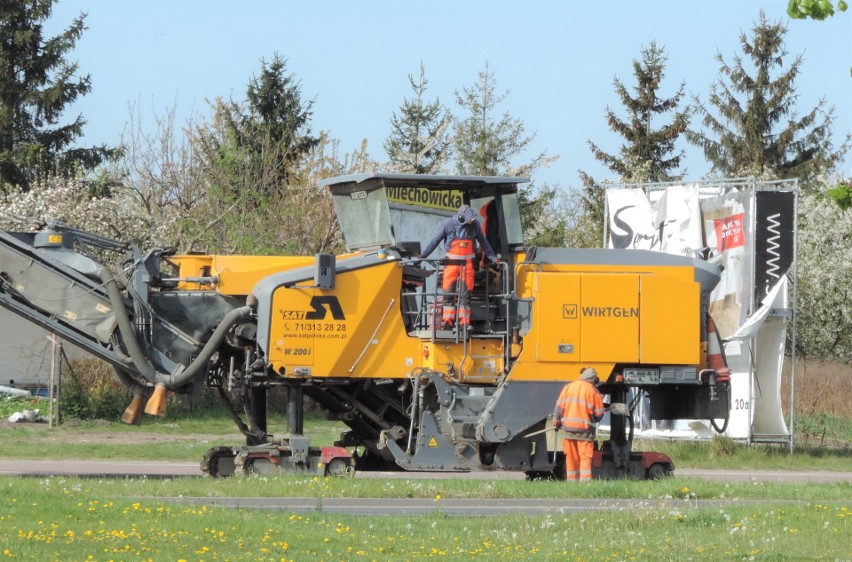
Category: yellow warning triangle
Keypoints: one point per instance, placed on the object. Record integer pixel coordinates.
(432, 442)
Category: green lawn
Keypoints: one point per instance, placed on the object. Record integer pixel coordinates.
(184, 436)
(68, 519)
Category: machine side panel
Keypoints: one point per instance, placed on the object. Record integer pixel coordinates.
(557, 316)
(670, 324)
(354, 330)
(49, 287)
(609, 313)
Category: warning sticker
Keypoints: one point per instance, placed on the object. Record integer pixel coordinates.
(432, 442)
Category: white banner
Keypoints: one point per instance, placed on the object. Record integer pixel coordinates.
(725, 234)
(679, 221)
(632, 219)
(770, 344)
(671, 224)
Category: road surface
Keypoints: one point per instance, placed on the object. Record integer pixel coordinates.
(174, 469)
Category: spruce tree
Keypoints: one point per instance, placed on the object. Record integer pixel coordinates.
(419, 142)
(756, 130)
(485, 143)
(647, 153)
(265, 137)
(37, 84)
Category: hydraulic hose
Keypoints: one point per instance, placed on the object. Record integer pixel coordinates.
(131, 384)
(134, 349)
(179, 379)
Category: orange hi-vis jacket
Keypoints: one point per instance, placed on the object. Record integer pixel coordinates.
(579, 407)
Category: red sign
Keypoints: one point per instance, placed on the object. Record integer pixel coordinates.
(729, 232)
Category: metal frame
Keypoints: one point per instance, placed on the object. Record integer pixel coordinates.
(753, 185)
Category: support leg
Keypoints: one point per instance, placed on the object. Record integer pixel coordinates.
(295, 410)
(621, 442)
(257, 415)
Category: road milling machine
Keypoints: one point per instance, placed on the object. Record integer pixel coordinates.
(360, 334)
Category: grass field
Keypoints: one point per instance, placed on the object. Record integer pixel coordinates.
(823, 432)
(69, 519)
(188, 439)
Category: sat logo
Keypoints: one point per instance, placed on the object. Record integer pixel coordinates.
(320, 307)
(323, 305)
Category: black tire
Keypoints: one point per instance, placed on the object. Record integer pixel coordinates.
(657, 471)
(339, 467)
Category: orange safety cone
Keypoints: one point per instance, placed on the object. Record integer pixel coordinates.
(715, 354)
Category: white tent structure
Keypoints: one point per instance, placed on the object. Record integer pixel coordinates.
(748, 227)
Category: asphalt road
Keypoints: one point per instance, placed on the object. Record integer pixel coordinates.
(174, 469)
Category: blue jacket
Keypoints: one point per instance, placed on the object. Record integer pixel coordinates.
(453, 229)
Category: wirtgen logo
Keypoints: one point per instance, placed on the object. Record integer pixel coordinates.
(320, 307)
(610, 312)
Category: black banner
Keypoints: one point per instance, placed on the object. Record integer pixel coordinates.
(773, 245)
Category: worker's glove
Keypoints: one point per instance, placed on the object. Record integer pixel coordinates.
(557, 425)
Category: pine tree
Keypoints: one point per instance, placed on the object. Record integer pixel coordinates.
(37, 84)
(648, 154)
(485, 143)
(757, 130)
(263, 138)
(419, 141)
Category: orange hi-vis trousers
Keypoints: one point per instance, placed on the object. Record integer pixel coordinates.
(459, 250)
(578, 458)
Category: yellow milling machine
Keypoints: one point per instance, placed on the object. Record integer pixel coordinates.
(360, 334)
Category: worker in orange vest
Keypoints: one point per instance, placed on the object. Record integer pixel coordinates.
(459, 233)
(579, 408)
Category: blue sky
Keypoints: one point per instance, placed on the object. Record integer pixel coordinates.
(557, 59)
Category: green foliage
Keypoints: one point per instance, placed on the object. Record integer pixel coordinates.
(757, 130)
(91, 391)
(37, 84)
(646, 154)
(544, 217)
(822, 430)
(486, 143)
(261, 164)
(814, 9)
(723, 446)
(263, 138)
(419, 142)
(11, 404)
(842, 194)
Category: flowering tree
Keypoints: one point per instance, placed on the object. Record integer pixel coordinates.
(120, 217)
(825, 278)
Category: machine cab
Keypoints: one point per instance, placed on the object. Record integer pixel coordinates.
(383, 210)
(401, 213)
